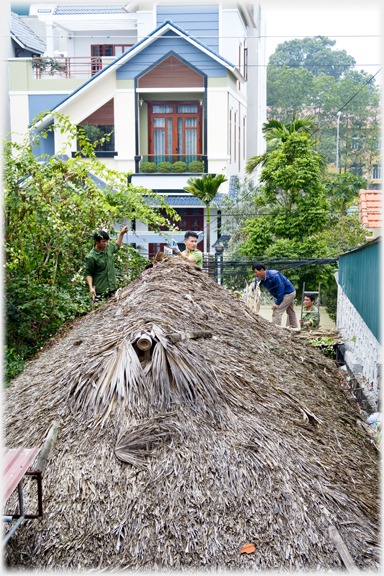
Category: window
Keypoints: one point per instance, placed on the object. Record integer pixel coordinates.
(174, 131)
(355, 143)
(376, 172)
(243, 137)
(95, 132)
(357, 169)
(234, 148)
(245, 72)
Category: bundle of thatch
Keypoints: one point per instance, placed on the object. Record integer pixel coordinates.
(178, 455)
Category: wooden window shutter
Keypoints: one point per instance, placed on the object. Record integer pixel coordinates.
(105, 115)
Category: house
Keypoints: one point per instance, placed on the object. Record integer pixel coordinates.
(175, 82)
(370, 211)
(359, 311)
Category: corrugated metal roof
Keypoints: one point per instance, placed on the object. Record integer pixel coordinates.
(25, 36)
(370, 208)
(186, 200)
(76, 9)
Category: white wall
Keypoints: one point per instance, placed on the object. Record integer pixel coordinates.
(363, 353)
(80, 46)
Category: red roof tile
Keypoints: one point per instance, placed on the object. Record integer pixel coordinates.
(370, 208)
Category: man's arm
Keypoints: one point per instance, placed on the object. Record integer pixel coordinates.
(279, 284)
(120, 237)
(185, 257)
(92, 289)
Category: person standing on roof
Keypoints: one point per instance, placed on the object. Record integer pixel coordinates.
(311, 315)
(191, 253)
(99, 266)
(282, 289)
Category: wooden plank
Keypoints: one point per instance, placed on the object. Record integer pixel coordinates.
(15, 463)
(342, 549)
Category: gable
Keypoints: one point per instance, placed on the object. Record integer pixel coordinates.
(171, 73)
(160, 48)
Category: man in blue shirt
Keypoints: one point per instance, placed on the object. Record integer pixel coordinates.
(282, 289)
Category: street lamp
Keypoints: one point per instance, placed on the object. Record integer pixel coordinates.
(337, 142)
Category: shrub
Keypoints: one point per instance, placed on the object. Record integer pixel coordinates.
(148, 167)
(164, 167)
(179, 167)
(196, 166)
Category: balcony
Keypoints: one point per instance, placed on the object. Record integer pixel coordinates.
(68, 67)
(171, 164)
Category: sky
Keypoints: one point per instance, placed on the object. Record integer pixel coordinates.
(330, 18)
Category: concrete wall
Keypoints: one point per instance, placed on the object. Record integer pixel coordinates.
(363, 353)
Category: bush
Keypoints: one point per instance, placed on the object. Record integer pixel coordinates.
(148, 167)
(164, 167)
(196, 166)
(179, 167)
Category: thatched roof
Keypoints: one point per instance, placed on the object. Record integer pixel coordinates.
(176, 458)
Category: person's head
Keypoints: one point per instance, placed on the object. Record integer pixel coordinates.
(309, 300)
(259, 269)
(101, 240)
(190, 240)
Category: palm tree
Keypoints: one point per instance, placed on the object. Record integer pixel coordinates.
(276, 133)
(206, 189)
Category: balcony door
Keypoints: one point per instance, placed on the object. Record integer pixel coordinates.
(174, 131)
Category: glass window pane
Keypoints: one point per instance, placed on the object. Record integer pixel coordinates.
(108, 50)
(187, 109)
(169, 135)
(159, 142)
(118, 50)
(195, 211)
(159, 122)
(190, 122)
(190, 142)
(162, 109)
(180, 135)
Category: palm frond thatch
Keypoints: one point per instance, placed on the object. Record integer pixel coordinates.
(178, 456)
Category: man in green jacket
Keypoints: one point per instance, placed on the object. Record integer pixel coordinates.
(99, 267)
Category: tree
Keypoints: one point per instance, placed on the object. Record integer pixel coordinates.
(206, 189)
(323, 92)
(315, 54)
(276, 133)
(52, 206)
(342, 190)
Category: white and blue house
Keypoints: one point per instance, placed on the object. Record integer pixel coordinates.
(181, 85)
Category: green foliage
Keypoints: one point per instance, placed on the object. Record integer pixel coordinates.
(315, 54)
(42, 64)
(276, 133)
(205, 187)
(179, 167)
(164, 167)
(329, 300)
(343, 189)
(343, 233)
(322, 88)
(148, 167)
(196, 166)
(326, 345)
(52, 207)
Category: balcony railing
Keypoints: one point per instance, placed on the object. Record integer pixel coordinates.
(171, 163)
(63, 67)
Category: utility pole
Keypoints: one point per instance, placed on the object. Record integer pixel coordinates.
(337, 142)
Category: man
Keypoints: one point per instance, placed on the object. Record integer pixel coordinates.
(190, 254)
(99, 267)
(311, 314)
(282, 289)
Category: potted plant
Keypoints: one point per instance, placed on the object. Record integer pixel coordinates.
(196, 166)
(164, 167)
(179, 167)
(148, 167)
